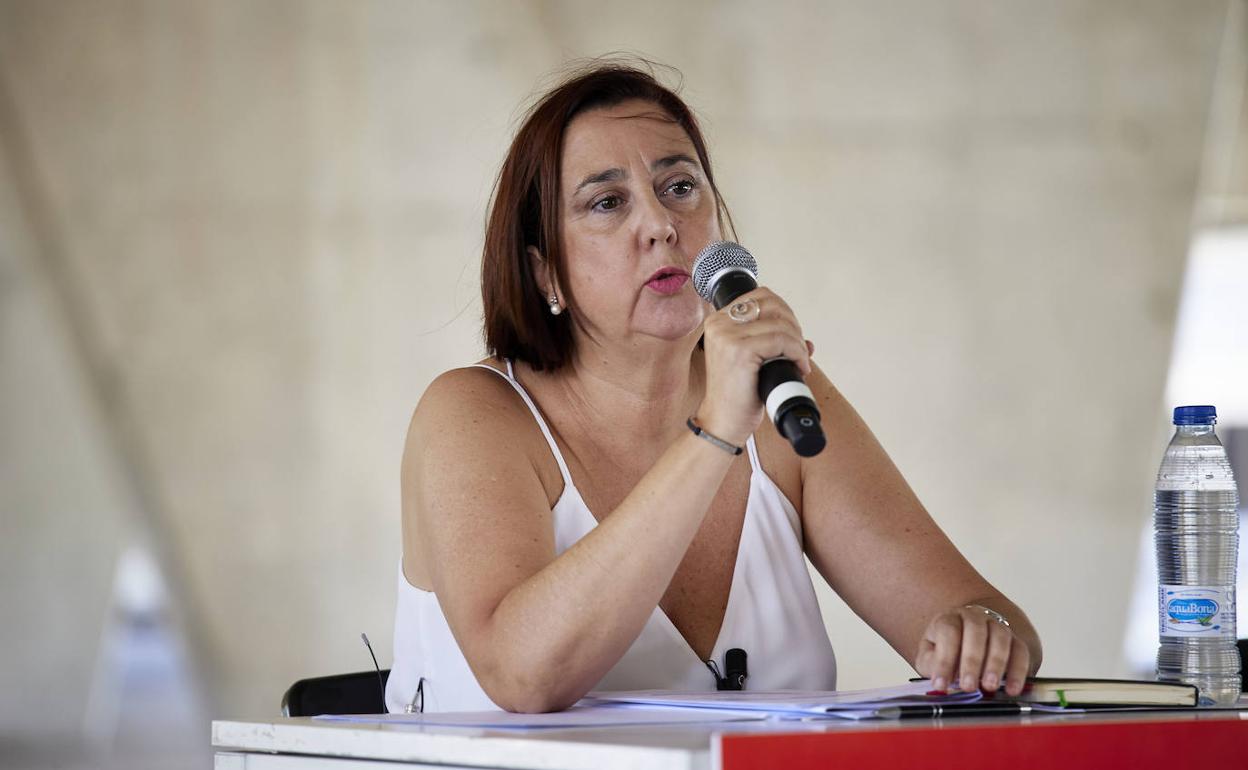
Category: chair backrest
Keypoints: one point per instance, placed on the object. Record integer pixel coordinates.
(357, 693)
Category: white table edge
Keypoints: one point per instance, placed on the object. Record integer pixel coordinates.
(522, 752)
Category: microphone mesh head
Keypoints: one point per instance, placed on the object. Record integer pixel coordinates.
(716, 257)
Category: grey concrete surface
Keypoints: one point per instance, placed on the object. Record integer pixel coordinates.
(270, 219)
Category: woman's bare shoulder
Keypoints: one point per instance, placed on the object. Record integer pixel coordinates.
(779, 462)
(473, 455)
(467, 386)
(472, 416)
(776, 454)
(469, 403)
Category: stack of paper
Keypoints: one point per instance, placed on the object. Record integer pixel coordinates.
(650, 707)
(580, 715)
(795, 704)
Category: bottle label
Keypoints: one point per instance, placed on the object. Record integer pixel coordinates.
(1196, 611)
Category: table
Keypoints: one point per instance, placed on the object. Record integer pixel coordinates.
(1141, 741)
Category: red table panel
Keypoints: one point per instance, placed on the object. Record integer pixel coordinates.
(1217, 744)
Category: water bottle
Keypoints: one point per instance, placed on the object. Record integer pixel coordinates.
(1197, 533)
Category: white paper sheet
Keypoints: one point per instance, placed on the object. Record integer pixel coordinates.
(600, 715)
(792, 702)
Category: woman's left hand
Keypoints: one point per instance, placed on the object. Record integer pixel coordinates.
(977, 648)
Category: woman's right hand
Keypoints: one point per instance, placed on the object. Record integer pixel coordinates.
(735, 351)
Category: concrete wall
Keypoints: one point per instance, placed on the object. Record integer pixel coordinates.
(64, 505)
(269, 215)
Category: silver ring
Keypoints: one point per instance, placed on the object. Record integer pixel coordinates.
(990, 613)
(744, 311)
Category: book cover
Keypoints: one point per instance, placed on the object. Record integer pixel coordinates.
(1090, 693)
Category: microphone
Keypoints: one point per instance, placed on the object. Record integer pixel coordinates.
(723, 271)
(734, 663)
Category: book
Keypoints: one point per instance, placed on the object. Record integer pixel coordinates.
(1090, 693)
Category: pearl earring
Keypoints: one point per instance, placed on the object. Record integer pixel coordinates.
(555, 307)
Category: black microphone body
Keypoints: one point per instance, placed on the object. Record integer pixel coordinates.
(731, 284)
(724, 271)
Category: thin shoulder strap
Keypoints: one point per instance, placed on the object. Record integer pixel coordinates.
(510, 376)
(755, 463)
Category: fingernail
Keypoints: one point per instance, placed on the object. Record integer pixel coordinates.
(990, 681)
(938, 683)
(968, 683)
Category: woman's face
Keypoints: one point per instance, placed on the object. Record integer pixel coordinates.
(636, 210)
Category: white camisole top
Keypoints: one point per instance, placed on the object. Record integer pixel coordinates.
(772, 612)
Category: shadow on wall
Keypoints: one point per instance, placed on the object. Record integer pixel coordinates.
(1209, 365)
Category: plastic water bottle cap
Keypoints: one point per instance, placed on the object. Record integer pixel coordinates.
(1195, 415)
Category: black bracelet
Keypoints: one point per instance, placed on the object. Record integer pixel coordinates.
(731, 449)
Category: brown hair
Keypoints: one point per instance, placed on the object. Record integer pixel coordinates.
(524, 209)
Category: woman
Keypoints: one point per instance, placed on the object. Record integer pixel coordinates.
(564, 529)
